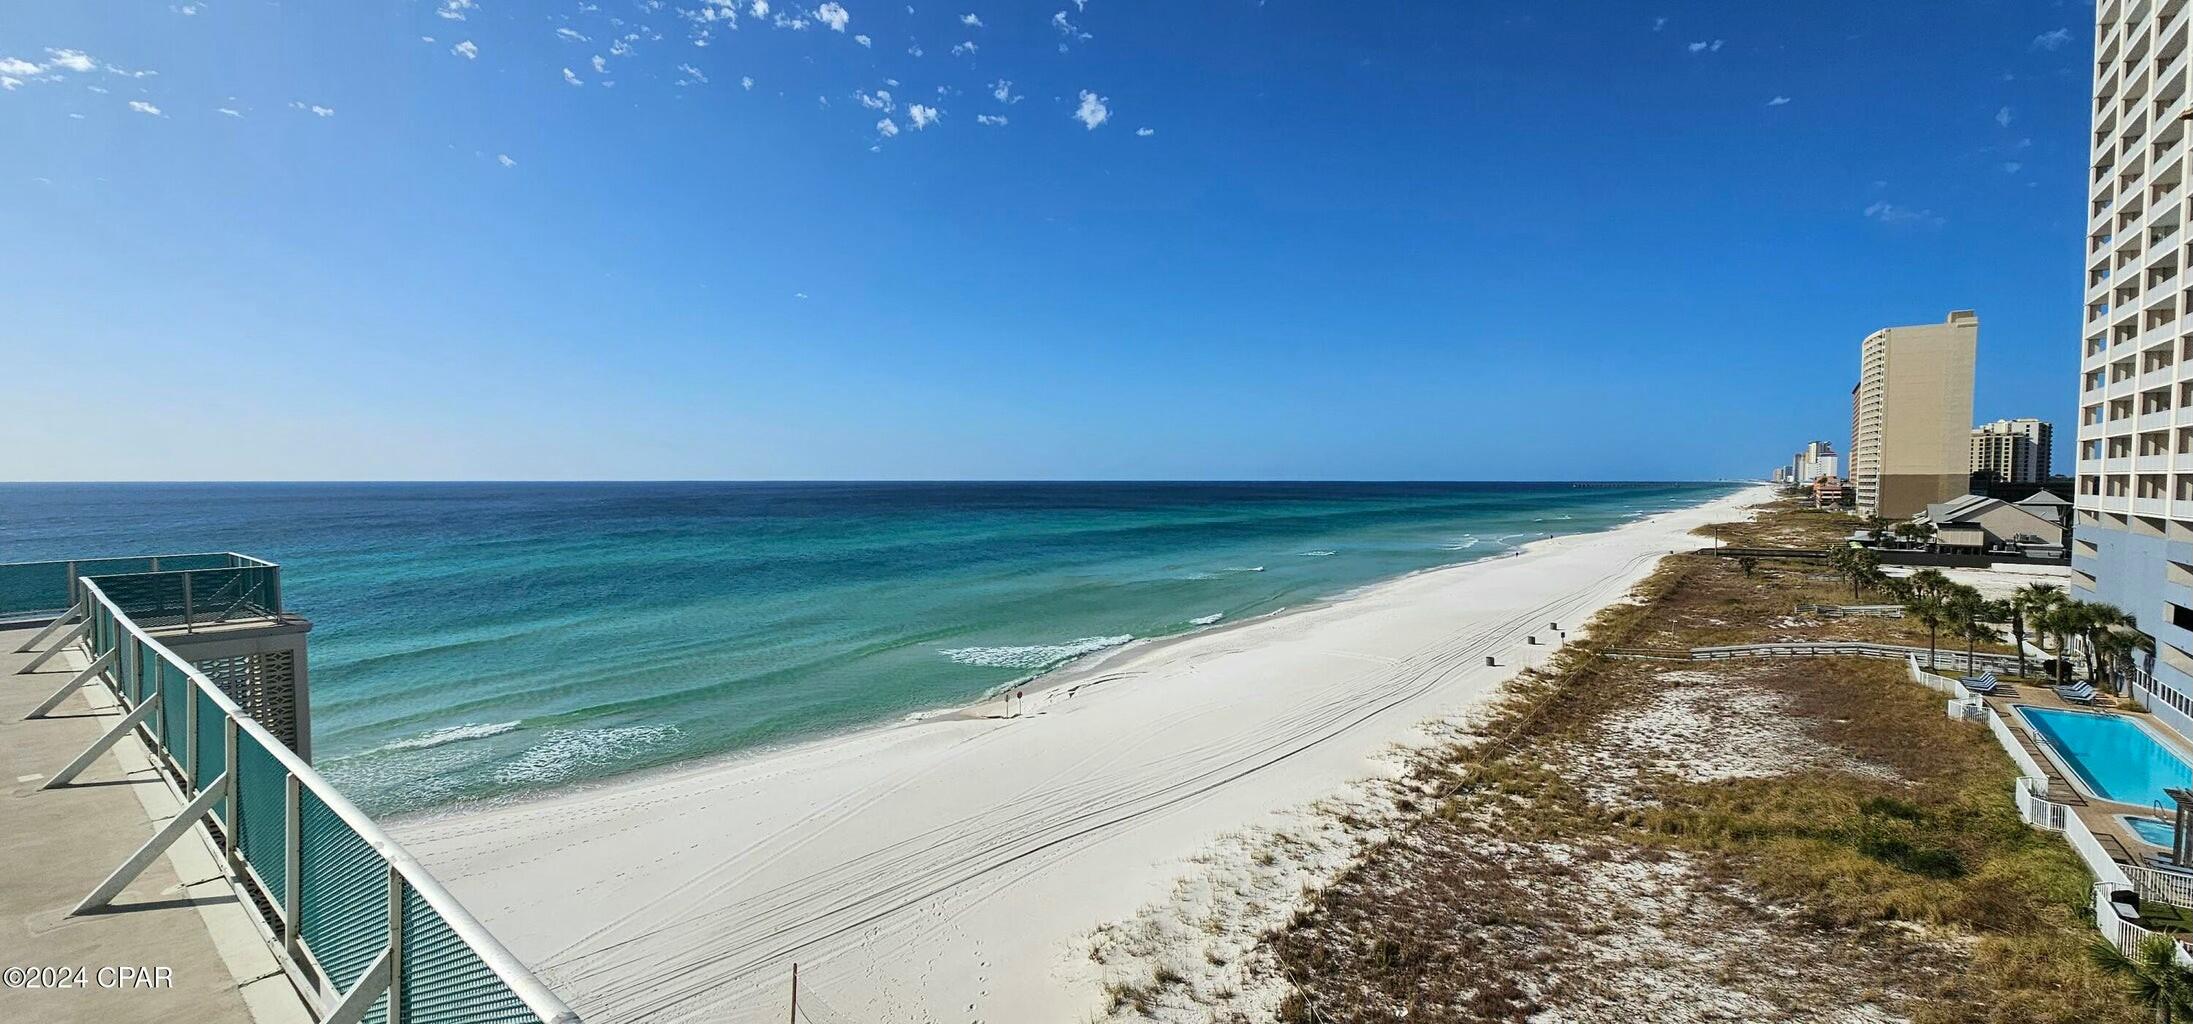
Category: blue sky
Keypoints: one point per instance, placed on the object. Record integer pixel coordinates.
(423, 239)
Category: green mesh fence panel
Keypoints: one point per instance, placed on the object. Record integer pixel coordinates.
(342, 895)
(210, 755)
(28, 587)
(260, 806)
(445, 982)
(175, 696)
(154, 599)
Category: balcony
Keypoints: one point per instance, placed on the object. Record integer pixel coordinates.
(2152, 463)
(2159, 507)
(2117, 465)
(2160, 419)
(2161, 376)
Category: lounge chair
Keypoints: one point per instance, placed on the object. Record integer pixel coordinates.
(1982, 683)
(2076, 693)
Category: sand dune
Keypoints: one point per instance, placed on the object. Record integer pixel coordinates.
(952, 869)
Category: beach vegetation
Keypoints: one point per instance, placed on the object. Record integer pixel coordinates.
(1566, 860)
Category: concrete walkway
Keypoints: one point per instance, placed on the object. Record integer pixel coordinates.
(56, 845)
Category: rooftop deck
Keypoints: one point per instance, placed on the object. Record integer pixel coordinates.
(181, 914)
(178, 857)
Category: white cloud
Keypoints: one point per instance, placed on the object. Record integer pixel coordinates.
(1778, 101)
(2054, 40)
(1067, 28)
(143, 107)
(187, 10)
(467, 49)
(747, 83)
(992, 120)
(1144, 133)
(71, 60)
(8, 84)
(878, 100)
(1704, 46)
(971, 21)
(314, 108)
(505, 160)
(571, 36)
(17, 66)
(1889, 213)
(1002, 91)
(230, 111)
(759, 9)
(833, 15)
(2002, 117)
(919, 117)
(887, 128)
(1092, 111)
(571, 78)
(601, 64)
(455, 10)
(802, 296)
(691, 74)
(1659, 23)
(864, 41)
(964, 49)
(2012, 167)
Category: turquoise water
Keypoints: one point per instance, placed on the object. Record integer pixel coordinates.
(473, 640)
(2112, 755)
(2151, 831)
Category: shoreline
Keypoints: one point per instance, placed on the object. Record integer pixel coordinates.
(1068, 673)
(951, 862)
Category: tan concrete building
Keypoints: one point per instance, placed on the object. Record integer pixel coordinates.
(2015, 451)
(1911, 416)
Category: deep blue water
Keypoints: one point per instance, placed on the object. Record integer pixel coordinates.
(472, 640)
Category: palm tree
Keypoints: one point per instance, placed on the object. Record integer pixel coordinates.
(2060, 620)
(2096, 621)
(1860, 565)
(1973, 614)
(2031, 599)
(1932, 612)
(2151, 975)
(1930, 583)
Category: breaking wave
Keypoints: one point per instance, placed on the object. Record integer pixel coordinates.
(1033, 655)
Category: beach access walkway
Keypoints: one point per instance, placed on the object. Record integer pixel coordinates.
(175, 945)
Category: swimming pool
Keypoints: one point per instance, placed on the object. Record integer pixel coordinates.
(2151, 831)
(2112, 755)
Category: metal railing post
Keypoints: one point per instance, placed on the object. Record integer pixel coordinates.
(395, 945)
(292, 862)
(228, 742)
(190, 614)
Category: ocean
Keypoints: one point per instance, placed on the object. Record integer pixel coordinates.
(474, 641)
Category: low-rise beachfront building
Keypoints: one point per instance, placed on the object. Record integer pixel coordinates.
(1827, 492)
(1911, 416)
(1980, 524)
(2133, 535)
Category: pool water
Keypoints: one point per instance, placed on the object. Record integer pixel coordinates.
(2151, 831)
(2116, 758)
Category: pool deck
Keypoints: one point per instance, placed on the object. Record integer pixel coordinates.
(180, 914)
(2099, 816)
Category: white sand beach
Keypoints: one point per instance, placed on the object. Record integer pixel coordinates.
(953, 869)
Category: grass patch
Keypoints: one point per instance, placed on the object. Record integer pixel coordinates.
(1888, 869)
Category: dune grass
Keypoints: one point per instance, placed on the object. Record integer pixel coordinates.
(1899, 875)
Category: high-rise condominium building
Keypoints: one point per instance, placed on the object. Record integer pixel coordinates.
(2015, 451)
(1815, 461)
(2133, 539)
(1911, 416)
